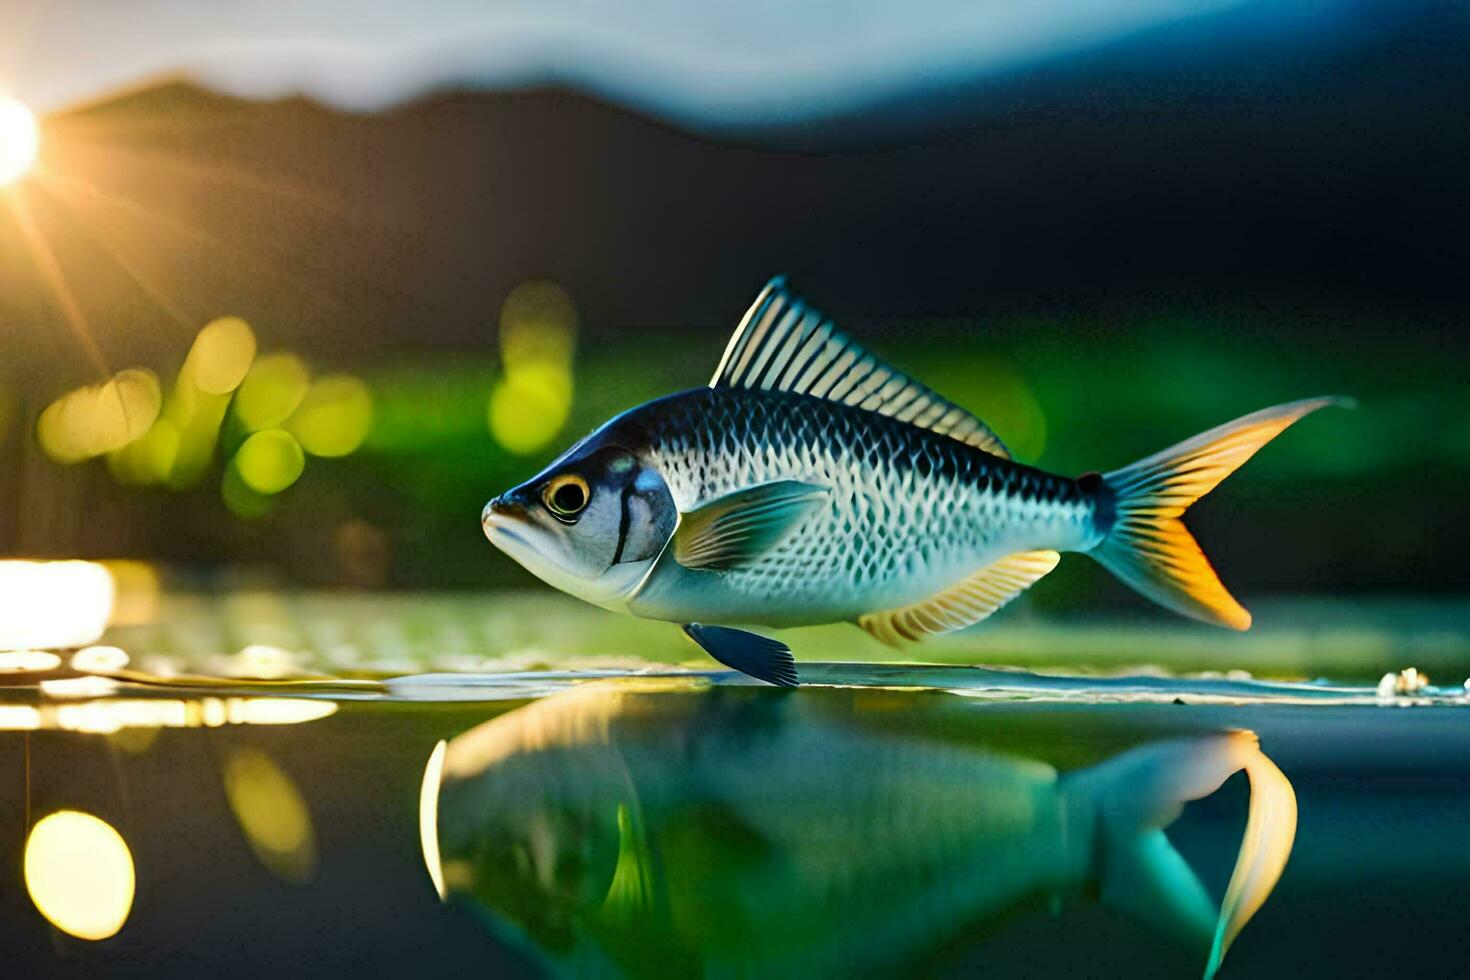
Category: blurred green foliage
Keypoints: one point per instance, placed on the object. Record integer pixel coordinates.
(1359, 500)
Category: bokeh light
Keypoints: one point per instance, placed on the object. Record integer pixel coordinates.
(28, 661)
(109, 715)
(127, 405)
(19, 718)
(528, 407)
(99, 659)
(270, 461)
(216, 365)
(530, 404)
(276, 711)
(79, 873)
(61, 429)
(221, 356)
(53, 603)
(262, 661)
(271, 391)
(272, 814)
(20, 140)
(334, 417)
(98, 419)
(89, 686)
(276, 416)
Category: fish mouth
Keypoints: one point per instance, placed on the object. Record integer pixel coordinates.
(504, 535)
(497, 523)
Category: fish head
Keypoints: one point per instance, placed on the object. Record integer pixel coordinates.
(539, 851)
(531, 814)
(591, 524)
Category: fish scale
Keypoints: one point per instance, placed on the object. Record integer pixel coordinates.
(908, 511)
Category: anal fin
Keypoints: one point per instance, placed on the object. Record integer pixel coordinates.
(759, 656)
(963, 604)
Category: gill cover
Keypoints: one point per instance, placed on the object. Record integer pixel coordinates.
(635, 505)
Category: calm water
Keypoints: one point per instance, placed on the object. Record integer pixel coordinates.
(936, 821)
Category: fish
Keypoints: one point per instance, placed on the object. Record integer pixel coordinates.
(810, 482)
(653, 827)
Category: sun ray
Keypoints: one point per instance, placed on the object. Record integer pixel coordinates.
(205, 173)
(47, 183)
(263, 264)
(51, 272)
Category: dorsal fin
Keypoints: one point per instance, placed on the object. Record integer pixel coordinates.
(782, 344)
(964, 603)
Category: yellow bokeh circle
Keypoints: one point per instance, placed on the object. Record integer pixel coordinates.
(529, 407)
(221, 355)
(334, 417)
(79, 873)
(270, 461)
(273, 388)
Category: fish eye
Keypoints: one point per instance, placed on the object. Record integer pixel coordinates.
(566, 496)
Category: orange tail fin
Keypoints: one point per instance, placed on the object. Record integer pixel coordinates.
(1148, 546)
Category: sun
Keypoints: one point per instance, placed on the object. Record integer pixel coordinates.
(20, 140)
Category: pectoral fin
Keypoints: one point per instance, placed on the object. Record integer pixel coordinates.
(964, 603)
(739, 527)
(759, 656)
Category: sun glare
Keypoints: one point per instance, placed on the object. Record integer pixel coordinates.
(20, 140)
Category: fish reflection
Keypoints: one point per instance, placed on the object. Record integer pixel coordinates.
(646, 829)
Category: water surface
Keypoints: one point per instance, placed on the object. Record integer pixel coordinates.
(669, 822)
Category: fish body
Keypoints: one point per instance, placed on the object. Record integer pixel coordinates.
(718, 832)
(813, 483)
(906, 511)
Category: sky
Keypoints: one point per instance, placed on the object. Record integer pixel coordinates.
(707, 66)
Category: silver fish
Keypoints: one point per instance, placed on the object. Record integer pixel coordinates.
(812, 483)
(643, 828)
